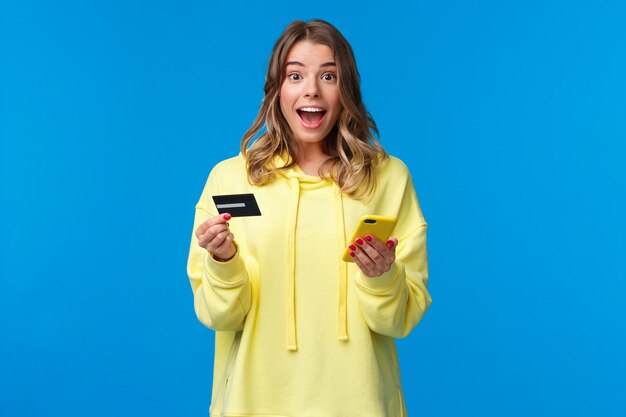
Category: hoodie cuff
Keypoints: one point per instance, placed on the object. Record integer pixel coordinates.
(228, 273)
(382, 284)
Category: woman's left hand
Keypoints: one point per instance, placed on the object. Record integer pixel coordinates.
(373, 256)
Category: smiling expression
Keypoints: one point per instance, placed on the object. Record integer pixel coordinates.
(309, 95)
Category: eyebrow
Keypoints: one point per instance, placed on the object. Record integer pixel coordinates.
(300, 64)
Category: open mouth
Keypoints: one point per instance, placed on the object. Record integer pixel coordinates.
(311, 116)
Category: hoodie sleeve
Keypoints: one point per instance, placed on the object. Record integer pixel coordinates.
(221, 290)
(394, 302)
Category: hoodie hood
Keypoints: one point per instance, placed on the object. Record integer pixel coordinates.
(297, 181)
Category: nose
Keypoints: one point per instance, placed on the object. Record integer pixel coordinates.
(311, 88)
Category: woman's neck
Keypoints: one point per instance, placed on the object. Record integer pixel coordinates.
(310, 158)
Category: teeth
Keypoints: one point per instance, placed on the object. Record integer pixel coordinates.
(311, 109)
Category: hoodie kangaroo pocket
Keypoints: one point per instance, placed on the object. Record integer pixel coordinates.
(221, 396)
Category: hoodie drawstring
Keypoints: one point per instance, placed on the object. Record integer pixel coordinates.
(342, 322)
(292, 340)
(292, 210)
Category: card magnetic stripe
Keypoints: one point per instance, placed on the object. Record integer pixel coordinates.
(230, 205)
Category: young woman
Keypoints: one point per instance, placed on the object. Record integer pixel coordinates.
(300, 332)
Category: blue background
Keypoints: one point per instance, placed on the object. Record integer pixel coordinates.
(510, 115)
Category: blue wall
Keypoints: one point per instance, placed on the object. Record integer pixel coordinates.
(510, 115)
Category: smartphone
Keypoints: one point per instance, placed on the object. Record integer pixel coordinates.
(378, 226)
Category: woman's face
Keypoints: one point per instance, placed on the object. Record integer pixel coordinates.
(309, 96)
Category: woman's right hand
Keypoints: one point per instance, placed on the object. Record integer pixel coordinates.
(215, 236)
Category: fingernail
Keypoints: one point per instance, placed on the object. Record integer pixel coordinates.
(352, 254)
(390, 244)
(368, 238)
(351, 246)
(359, 240)
(227, 216)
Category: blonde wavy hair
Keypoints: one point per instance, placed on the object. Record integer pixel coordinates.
(353, 149)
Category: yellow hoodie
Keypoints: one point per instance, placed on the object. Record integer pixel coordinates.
(300, 333)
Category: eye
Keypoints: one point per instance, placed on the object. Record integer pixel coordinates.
(294, 76)
(329, 77)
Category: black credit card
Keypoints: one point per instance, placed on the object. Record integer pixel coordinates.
(237, 205)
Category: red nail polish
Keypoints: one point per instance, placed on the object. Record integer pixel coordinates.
(352, 254)
(390, 244)
(351, 246)
(227, 216)
(368, 238)
(359, 240)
